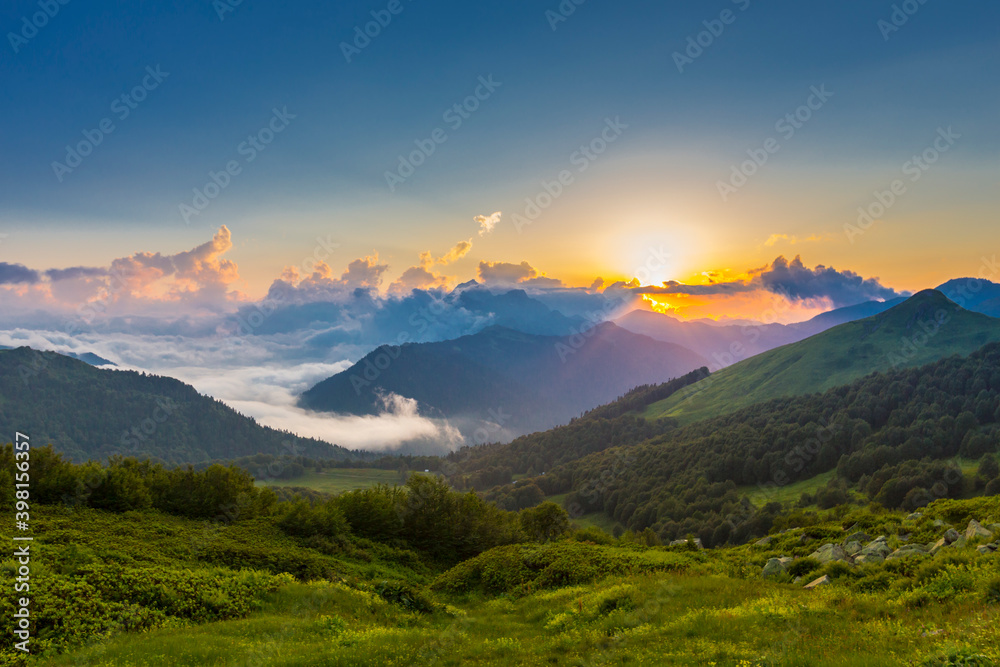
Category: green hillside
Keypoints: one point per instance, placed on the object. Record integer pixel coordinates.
(93, 413)
(907, 335)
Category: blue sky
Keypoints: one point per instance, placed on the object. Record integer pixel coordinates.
(325, 174)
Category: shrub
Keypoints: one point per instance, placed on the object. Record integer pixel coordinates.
(803, 566)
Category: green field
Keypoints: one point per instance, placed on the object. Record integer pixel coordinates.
(585, 605)
(835, 358)
(788, 493)
(338, 480)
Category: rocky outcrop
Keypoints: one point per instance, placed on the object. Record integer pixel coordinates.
(976, 531)
(822, 581)
(829, 553)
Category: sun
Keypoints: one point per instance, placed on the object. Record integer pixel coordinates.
(659, 304)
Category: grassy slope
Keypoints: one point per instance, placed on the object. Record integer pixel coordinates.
(336, 480)
(717, 610)
(833, 358)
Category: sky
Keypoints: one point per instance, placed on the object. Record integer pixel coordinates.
(169, 164)
(555, 82)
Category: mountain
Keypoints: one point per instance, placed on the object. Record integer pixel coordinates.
(87, 412)
(906, 335)
(518, 381)
(892, 437)
(725, 344)
(85, 357)
(976, 294)
(830, 319)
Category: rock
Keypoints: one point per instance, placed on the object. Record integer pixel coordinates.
(798, 580)
(986, 548)
(763, 542)
(828, 553)
(858, 537)
(786, 561)
(938, 523)
(907, 551)
(975, 531)
(960, 543)
(951, 535)
(993, 528)
(863, 559)
(914, 516)
(822, 581)
(773, 568)
(939, 545)
(877, 547)
(852, 548)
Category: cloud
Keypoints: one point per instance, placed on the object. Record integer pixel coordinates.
(417, 277)
(505, 272)
(775, 239)
(458, 252)
(543, 282)
(15, 274)
(75, 272)
(423, 276)
(487, 222)
(796, 281)
(365, 273)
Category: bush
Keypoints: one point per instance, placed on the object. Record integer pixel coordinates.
(803, 566)
(405, 595)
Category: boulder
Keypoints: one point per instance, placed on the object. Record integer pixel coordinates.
(878, 546)
(786, 561)
(939, 545)
(773, 568)
(858, 537)
(986, 548)
(951, 535)
(960, 542)
(938, 523)
(994, 528)
(763, 542)
(907, 551)
(822, 581)
(914, 516)
(874, 557)
(975, 531)
(829, 553)
(852, 548)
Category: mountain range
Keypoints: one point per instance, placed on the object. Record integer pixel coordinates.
(922, 329)
(511, 379)
(93, 413)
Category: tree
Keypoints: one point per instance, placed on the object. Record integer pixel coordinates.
(545, 522)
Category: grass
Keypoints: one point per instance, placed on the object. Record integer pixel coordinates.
(338, 480)
(789, 493)
(584, 604)
(833, 358)
(638, 620)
